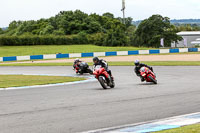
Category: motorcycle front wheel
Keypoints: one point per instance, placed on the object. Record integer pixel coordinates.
(102, 81)
(152, 79)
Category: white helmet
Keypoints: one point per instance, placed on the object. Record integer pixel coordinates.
(137, 62)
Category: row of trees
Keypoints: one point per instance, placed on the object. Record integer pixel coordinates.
(187, 27)
(96, 29)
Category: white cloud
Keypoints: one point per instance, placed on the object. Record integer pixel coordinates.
(138, 9)
(170, 8)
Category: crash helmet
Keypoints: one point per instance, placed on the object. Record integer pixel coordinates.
(137, 62)
(77, 60)
(95, 59)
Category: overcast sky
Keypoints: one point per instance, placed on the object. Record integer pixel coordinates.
(137, 9)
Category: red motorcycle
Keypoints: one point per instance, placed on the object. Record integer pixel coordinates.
(103, 77)
(148, 75)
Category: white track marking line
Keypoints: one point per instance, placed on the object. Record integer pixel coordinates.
(181, 120)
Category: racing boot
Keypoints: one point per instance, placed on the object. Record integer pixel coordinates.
(112, 78)
(110, 81)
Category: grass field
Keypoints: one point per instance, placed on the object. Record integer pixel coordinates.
(54, 49)
(186, 129)
(151, 63)
(28, 80)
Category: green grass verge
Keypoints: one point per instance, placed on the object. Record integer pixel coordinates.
(30, 80)
(187, 129)
(151, 63)
(54, 49)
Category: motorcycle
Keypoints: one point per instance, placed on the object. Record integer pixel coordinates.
(103, 77)
(148, 75)
(82, 68)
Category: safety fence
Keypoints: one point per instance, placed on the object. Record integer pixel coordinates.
(93, 54)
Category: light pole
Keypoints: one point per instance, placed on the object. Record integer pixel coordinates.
(123, 10)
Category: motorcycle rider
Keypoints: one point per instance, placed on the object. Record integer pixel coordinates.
(103, 64)
(138, 66)
(76, 62)
(82, 66)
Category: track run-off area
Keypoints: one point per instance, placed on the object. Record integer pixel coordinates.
(86, 106)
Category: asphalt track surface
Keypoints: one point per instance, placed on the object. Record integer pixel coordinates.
(83, 107)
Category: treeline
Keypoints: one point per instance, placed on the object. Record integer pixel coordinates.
(103, 30)
(178, 22)
(187, 27)
(77, 27)
(185, 21)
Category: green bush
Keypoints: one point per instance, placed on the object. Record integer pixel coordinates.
(100, 39)
(97, 39)
(40, 40)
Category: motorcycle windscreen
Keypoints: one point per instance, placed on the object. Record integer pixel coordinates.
(143, 69)
(97, 67)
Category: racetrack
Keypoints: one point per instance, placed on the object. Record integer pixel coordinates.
(83, 107)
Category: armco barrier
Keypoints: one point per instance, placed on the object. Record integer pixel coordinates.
(114, 53)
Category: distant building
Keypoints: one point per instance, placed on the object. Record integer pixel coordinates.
(190, 39)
